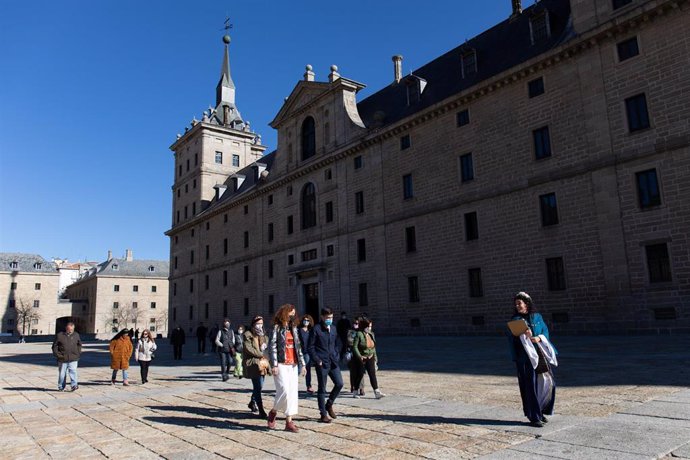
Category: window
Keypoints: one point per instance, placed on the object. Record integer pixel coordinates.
(413, 288)
(12, 303)
(116, 304)
(555, 274)
(246, 306)
(115, 267)
(246, 209)
(471, 226)
(291, 259)
(174, 313)
(363, 295)
(194, 208)
(475, 282)
(191, 257)
(116, 288)
(308, 138)
(208, 252)
(405, 142)
(271, 303)
(539, 27)
(246, 273)
(648, 189)
(542, 142)
(225, 308)
(270, 231)
(236, 161)
(308, 206)
(207, 282)
(175, 262)
(658, 263)
(135, 304)
(469, 63)
(246, 239)
(37, 287)
(290, 227)
(466, 168)
(536, 87)
(191, 285)
(225, 246)
(361, 250)
(38, 265)
(309, 255)
(135, 288)
(328, 174)
(408, 193)
(330, 250)
(638, 116)
(549, 209)
(196, 159)
(219, 158)
(151, 267)
(329, 211)
(462, 118)
(194, 183)
(359, 202)
(289, 190)
(187, 164)
(225, 277)
(270, 268)
(628, 49)
(620, 3)
(37, 303)
(174, 289)
(13, 286)
(191, 312)
(359, 162)
(410, 239)
(269, 199)
(179, 169)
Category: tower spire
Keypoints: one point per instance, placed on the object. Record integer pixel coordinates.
(226, 112)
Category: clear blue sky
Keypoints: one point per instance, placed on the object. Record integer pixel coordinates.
(92, 94)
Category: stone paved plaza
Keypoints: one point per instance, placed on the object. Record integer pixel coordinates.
(618, 397)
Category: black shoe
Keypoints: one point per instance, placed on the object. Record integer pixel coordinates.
(329, 409)
(544, 419)
(536, 423)
(253, 407)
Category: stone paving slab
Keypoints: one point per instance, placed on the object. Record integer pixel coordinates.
(682, 451)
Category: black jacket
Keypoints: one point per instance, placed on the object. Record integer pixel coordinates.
(67, 347)
(177, 337)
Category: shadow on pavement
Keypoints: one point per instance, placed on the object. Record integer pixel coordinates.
(435, 419)
(206, 417)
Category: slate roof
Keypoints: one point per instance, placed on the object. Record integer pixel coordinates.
(131, 268)
(498, 49)
(26, 263)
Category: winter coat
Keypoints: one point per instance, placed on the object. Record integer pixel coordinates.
(120, 352)
(67, 347)
(177, 337)
(144, 350)
(360, 348)
(252, 353)
(225, 341)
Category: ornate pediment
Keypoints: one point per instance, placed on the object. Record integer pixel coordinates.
(304, 93)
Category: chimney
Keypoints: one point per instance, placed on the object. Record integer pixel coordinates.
(110, 254)
(397, 68)
(128, 255)
(309, 74)
(517, 7)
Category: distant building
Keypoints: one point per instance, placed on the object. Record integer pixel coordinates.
(122, 293)
(70, 272)
(550, 153)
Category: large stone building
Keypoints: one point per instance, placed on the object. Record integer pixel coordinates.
(548, 154)
(29, 301)
(122, 293)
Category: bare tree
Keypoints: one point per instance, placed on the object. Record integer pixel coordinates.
(27, 313)
(162, 321)
(135, 314)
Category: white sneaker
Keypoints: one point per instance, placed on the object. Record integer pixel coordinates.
(379, 395)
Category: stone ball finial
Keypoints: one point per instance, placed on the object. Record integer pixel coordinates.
(334, 68)
(226, 39)
(309, 68)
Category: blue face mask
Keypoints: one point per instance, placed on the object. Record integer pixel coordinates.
(327, 322)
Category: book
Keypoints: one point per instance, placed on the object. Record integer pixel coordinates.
(518, 326)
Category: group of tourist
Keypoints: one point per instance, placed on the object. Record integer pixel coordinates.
(292, 347)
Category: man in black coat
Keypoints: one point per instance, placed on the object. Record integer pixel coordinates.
(201, 332)
(324, 351)
(67, 350)
(177, 339)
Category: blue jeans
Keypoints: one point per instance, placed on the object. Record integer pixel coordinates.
(257, 385)
(124, 374)
(70, 366)
(322, 375)
(226, 362)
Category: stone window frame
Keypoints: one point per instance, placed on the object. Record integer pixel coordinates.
(664, 283)
(619, 46)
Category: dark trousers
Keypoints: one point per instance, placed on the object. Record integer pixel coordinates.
(144, 369)
(201, 344)
(322, 375)
(356, 373)
(368, 365)
(527, 379)
(257, 385)
(177, 351)
(225, 364)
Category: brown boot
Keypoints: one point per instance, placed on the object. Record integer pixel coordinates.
(272, 419)
(325, 419)
(329, 409)
(291, 427)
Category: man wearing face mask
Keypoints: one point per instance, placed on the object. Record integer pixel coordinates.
(225, 341)
(324, 350)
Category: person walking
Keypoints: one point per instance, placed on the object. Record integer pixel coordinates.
(364, 356)
(239, 346)
(352, 364)
(306, 326)
(212, 337)
(534, 357)
(255, 363)
(120, 352)
(343, 328)
(324, 350)
(225, 341)
(143, 353)
(177, 339)
(286, 359)
(201, 332)
(67, 351)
